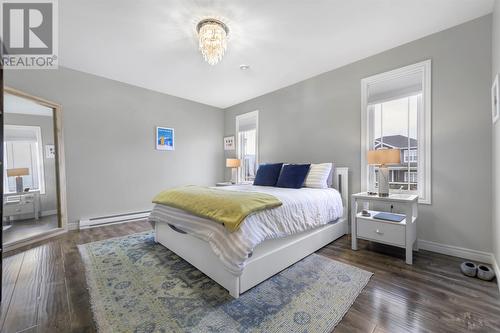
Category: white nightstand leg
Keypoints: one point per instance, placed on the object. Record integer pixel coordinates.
(36, 208)
(354, 211)
(409, 254)
(415, 214)
(409, 234)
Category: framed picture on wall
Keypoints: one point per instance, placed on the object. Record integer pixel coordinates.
(165, 138)
(495, 101)
(229, 143)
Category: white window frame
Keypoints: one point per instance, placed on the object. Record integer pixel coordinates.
(252, 114)
(424, 132)
(40, 171)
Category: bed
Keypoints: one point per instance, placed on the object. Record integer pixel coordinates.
(261, 248)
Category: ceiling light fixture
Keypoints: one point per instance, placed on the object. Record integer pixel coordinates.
(212, 35)
(244, 67)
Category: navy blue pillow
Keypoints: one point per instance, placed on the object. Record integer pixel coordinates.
(293, 175)
(267, 174)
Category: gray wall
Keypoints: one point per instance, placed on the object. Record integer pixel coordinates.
(109, 132)
(496, 136)
(318, 120)
(49, 199)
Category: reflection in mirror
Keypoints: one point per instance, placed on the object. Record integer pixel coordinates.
(30, 191)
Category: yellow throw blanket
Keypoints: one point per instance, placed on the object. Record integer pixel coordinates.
(224, 206)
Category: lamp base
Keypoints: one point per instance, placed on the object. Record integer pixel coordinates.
(19, 184)
(234, 175)
(383, 181)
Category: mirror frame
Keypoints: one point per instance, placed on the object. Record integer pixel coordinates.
(60, 165)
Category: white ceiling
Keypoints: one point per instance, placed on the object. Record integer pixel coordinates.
(15, 104)
(152, 44)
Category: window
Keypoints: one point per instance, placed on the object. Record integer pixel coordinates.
(412, 178)
(247, 145)
(394, 124)
(23, 149)
(396, 114)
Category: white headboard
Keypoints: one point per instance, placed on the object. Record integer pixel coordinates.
(340, 182)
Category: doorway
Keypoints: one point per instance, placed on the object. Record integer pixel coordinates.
(34, 196)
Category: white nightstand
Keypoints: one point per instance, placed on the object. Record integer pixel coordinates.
(229, 183)
(224, 184)
(402, 234)
(21, 203)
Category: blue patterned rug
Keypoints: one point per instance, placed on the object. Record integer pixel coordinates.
(137, 285)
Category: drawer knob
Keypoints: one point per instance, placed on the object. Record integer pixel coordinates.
(379, 232)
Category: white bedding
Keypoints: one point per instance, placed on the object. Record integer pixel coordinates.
(302, 209)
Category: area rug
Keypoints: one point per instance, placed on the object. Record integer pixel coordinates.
(137, 285)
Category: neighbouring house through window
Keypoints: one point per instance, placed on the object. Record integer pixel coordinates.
(410, 177)
(23, 149)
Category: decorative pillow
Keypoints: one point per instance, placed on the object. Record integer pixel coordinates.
(318, 175)
(267, 174)
(293, 175)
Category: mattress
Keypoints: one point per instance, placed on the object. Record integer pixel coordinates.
(303, 209)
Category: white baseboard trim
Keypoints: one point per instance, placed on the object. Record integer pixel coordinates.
(496, 268)
(456, 251)
(73, 225)
(112, 219)
(48, 212)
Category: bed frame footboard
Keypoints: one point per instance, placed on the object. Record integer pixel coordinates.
(268, 258)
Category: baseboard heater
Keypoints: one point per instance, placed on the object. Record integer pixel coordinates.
(112, 219)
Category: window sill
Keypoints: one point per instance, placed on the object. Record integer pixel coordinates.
(424, 201)
(30, 191)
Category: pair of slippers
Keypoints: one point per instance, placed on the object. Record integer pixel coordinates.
(482, 272)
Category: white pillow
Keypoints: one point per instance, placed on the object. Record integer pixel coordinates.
(318, 175)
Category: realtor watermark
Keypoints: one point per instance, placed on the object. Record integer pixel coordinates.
(29, 34)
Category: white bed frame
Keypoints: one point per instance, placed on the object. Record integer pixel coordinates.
(269, 257)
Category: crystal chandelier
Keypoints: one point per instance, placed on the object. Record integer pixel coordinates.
(212, 36)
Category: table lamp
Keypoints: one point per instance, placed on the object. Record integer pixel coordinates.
(234, 164)
(18, 173)
(383, 158)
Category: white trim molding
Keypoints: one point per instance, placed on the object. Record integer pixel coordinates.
(424, 146)
(456, 251)
(48, 212)
(73, 226)
(496, 268)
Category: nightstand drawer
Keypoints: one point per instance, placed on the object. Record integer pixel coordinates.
(17, 209)
(381, 232)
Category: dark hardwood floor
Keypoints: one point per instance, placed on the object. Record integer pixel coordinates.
(23, 229)
(45, 289)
